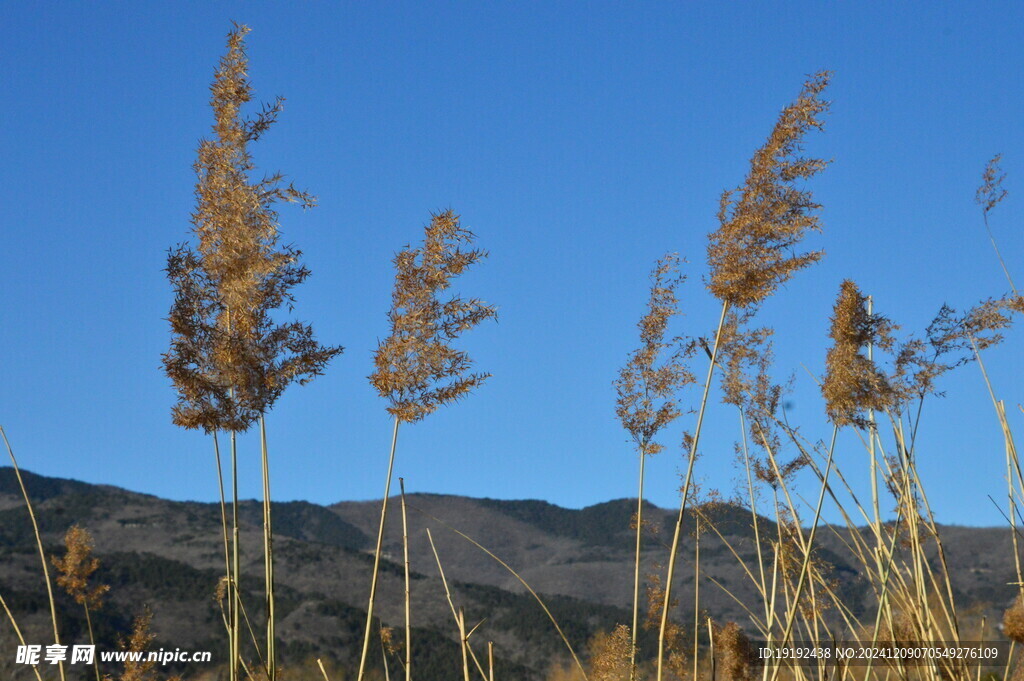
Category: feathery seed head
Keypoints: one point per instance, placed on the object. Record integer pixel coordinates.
(765, 219)
(77, 566)
(417, 369)
(229, 360)
(1013, 620)
(647, 384)
(853, 383)
(991, 191)
(609, 655)
(736, 653)
(138, 642)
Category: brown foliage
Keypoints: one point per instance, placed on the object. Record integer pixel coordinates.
(991, 191)
(609, 655)
(853, 383)
(647, 384)
(417, 369)
(77, 566)
(734, 652)
(1013, 620)
(763, 220)
(229, 360)
(677, 660)
(138, 642)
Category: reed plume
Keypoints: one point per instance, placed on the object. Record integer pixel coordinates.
(74, 572)
(751, 254)
(138, 642)
(77, 567)
(646, 390)
(735, 653)
(853, 383)
(417, 369)
(988, 196)
(610, 655)
(765, 219)
(230, 359)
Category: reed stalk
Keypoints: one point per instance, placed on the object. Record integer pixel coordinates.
(377, 552)
(408, 591)
(268, 556)
(695, 441)
(39, 546)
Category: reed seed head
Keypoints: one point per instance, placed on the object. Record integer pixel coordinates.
(229, 359)
(853, 383)
(763, 221)
(138, 642)
(417, 369)
(735, 653)
(77, 567)
(609, 655)
(991, 191)
(1013, 620)
(655, 372)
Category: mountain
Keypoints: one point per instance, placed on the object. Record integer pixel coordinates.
(170, 556)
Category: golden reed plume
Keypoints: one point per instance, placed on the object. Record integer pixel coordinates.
(229, 360)
(853, 383)
(763, 220)
(416, 368)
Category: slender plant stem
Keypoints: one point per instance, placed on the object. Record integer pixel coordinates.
(804, 568)
(92, 640)
(408, 595)
(268, 557)
(999, 255)
(377, 552)
(685, 495)
(227, 553)
(696, 598)
(536, 597)
(17, 632)
(465, 643)
(235, 560)
(636, 565)
(39, 545)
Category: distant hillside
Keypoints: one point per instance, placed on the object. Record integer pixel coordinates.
(171, 555)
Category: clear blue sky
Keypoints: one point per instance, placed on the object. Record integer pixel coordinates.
(580, 141)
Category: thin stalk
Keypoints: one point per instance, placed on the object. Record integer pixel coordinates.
(92, 640)
(753, 510)
(17, 631)
(455, 613)
(490, 661)
(686, 492)
(711, 650)
(235, 561)
(465, 643)
(536, 597)
(999, 255)
(636, 565)
(696, 600)
(408, 599)
(872, 432)
(39, 545)
(376, 554)
(791, 616)
(227, 552)
(268, 557)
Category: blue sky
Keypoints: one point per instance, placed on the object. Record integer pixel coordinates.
(579, 141)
